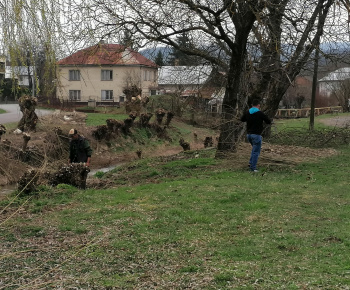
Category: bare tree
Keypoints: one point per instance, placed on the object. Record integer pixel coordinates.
(261, 45)
(226, 33)
(287, 36)
(218, 33)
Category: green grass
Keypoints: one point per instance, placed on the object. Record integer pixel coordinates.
(303, 123)
(11, 126)
(2, 111)
(191, 222)
(214, 227)
(96, 119)
(296, 132)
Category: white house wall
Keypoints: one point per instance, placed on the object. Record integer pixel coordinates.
(332, 81)
(91, 86)
(326, 88)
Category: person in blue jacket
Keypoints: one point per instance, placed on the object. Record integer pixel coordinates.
(255, 119)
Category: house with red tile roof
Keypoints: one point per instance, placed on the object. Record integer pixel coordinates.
(101, 72)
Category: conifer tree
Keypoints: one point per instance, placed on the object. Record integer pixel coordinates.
(159, 60)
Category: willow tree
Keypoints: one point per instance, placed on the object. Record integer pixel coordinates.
(29, 38)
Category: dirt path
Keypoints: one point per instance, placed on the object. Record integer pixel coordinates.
(13, 113)
(339, 121)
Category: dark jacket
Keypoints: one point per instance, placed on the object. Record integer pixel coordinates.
(79, 150)
(255, 122)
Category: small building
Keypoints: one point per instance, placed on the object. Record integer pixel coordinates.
(24, 75)
(328, 84)
(183, 80)
(101, 72)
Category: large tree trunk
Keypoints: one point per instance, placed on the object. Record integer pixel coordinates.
(231, 128)
(228, 128)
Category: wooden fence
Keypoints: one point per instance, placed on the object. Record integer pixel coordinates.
(305, 112)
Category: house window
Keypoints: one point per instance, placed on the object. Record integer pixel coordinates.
(107, 95)
(74, 95)
(74, 75)
(106, 75)
(147, 75)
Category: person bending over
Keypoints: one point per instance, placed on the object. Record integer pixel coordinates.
(79, 149)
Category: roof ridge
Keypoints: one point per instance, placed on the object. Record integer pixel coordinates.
(106, 54)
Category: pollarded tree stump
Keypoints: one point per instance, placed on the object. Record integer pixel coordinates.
(113, 125)
(73, 174)
(127, 125)
(2, 130)
(160, 113)
(101, 133)
(29, 119)
(26, 138)
(169, 117)
(185, 145)
(208, 142)
(28, 183)
(144, 119)
(133, 115)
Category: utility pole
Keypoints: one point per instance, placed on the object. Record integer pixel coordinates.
(314, 88)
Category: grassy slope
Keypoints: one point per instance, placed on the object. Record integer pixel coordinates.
(199, 224)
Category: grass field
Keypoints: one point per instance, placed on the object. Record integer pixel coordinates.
(2, 111)
(303, 123)
(201, 224)
(96, 119)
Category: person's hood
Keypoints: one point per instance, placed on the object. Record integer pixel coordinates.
(253, 110)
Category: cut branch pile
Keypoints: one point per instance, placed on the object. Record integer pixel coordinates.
(74, 174)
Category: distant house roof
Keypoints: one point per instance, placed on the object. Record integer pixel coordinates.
(107, 54)
(184, 75)
(338, 75)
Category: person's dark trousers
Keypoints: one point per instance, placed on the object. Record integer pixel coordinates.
(255, 140)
